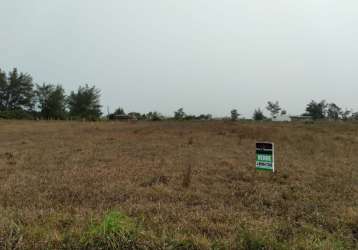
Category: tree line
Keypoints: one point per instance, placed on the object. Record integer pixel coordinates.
(21, 98)
(322, 110)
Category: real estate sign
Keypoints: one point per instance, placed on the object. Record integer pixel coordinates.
(265, 159)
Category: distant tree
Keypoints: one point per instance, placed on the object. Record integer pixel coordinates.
(234, 114)
(51, 101)
(346, 114)
(205, 117)
(317, 110)
(16, 91)
(85, 103)
(273, 108)
(179, 114)
(190, 117)
(154, 116)
(258, 115)
(333, 111)
(119, 111)
(3, 90)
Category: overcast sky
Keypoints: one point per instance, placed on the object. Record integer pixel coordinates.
(203, 55)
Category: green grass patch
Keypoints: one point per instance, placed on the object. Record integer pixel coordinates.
(116, 231)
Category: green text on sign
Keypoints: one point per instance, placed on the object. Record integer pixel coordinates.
(265, 156)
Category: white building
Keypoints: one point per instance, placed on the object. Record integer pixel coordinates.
(282, 118)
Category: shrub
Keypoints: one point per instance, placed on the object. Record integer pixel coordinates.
(117, 231)
(11, 236)
(16, 114)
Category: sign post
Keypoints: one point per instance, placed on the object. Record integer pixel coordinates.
(265, 158)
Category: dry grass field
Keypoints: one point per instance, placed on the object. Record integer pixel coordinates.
(177, 185)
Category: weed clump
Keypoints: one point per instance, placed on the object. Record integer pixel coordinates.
(116, 231)
(157, 180)
(187, 176)
(11, 236)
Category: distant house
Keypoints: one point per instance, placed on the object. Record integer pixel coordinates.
(354, 116)
(122, 117)
(301, 118)
(135, 115)
(282, 118)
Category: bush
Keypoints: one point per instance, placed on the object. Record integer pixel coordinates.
(117, 231)
(254, 241)
(11, 236)
(17, 114)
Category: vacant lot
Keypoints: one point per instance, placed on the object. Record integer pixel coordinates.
(172, 185)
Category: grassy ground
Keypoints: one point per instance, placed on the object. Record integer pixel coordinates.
(177, 185)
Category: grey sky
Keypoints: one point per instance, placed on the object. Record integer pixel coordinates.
(205, 56)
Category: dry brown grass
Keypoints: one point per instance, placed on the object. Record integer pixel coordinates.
(185, 184)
